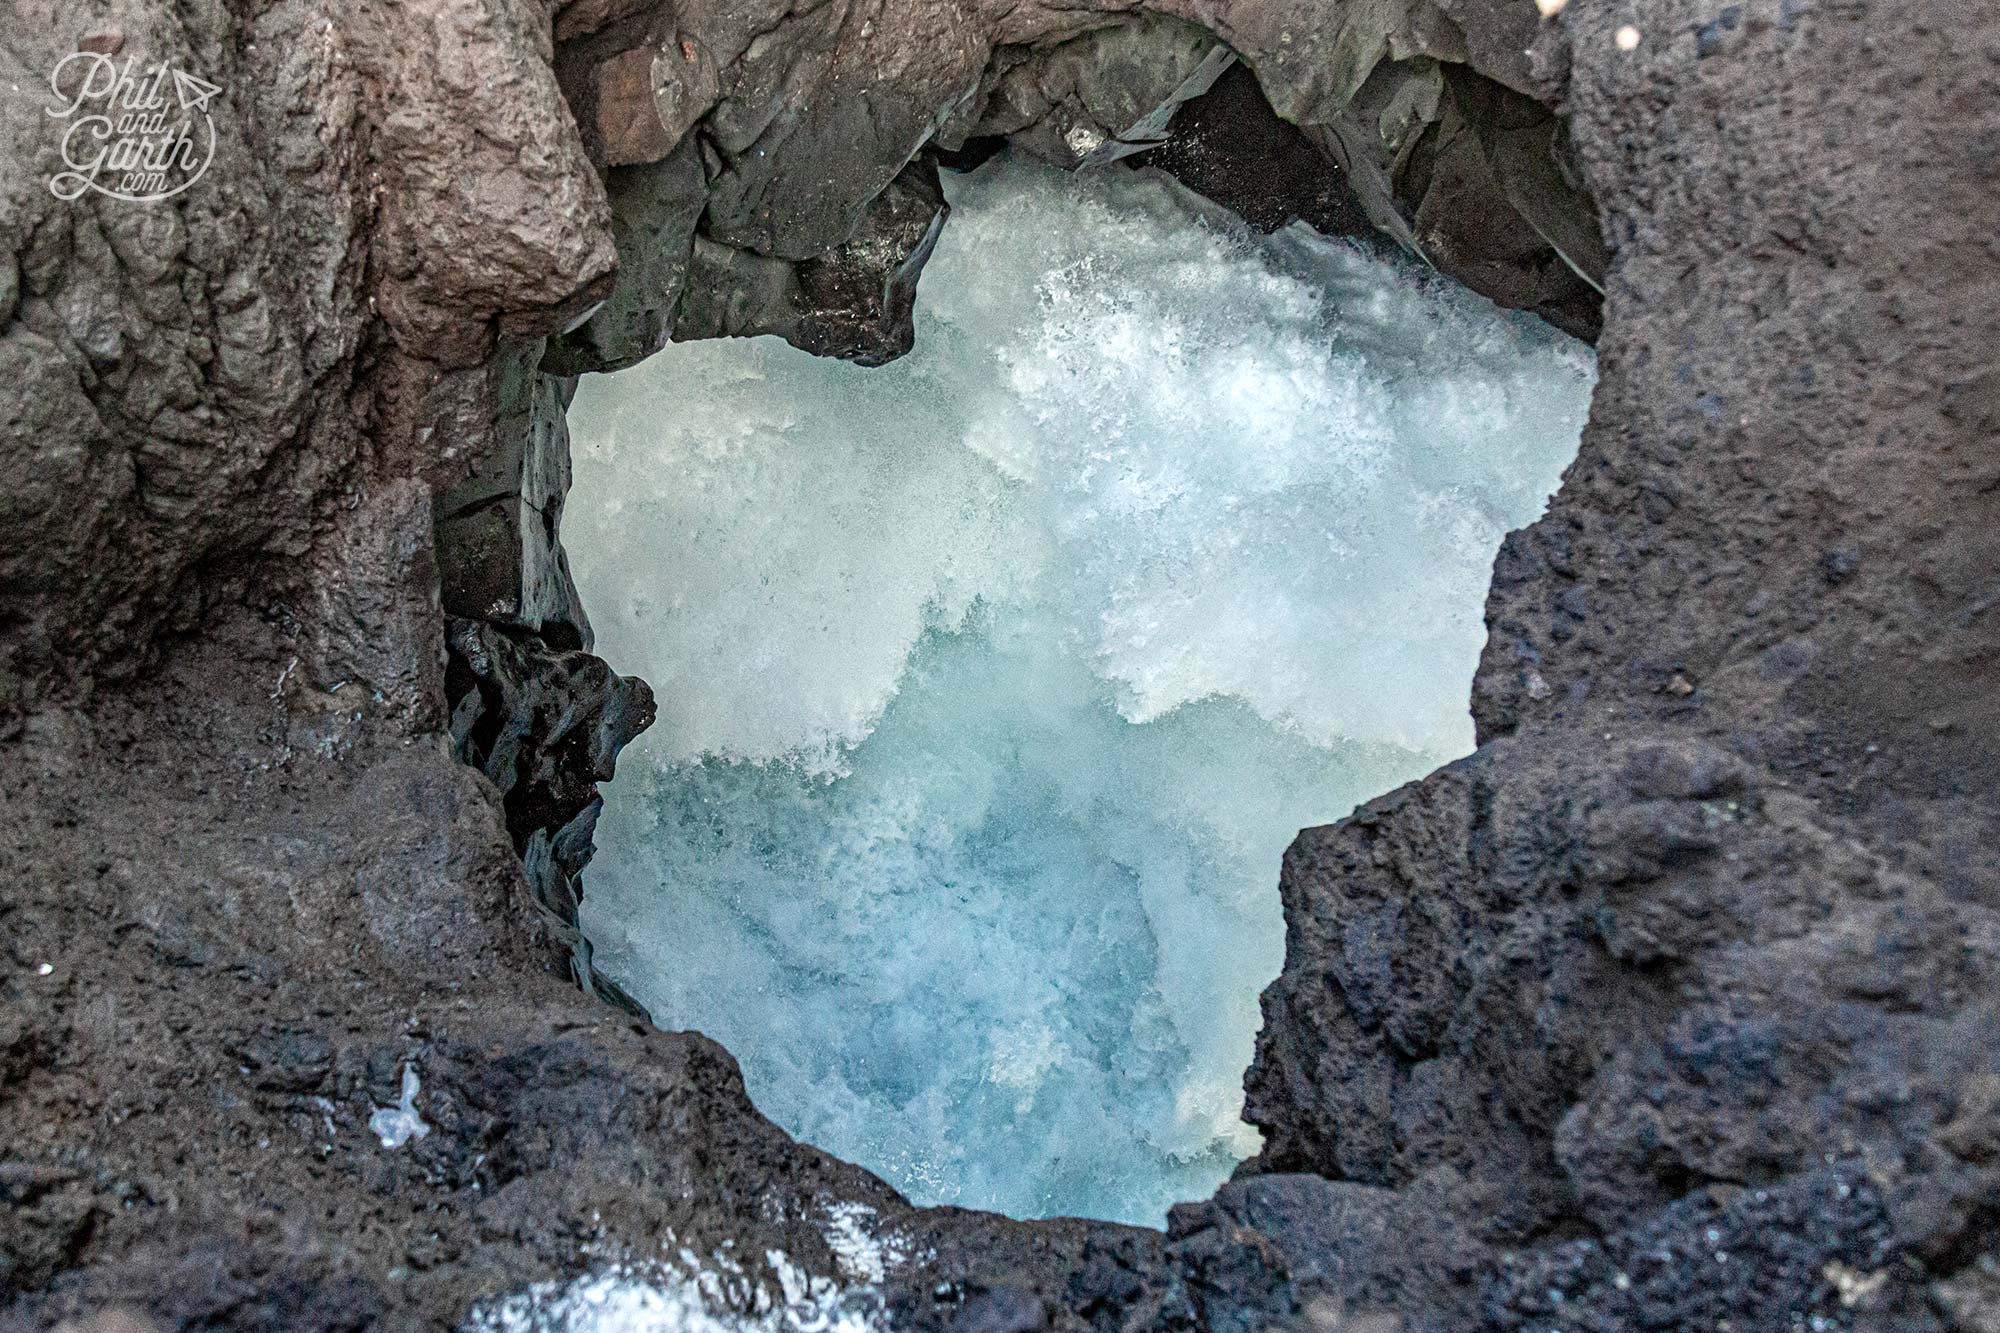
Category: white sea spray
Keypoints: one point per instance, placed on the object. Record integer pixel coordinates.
(689, 1297)
(994, 682)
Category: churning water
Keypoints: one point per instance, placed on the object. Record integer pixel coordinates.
(994, 682)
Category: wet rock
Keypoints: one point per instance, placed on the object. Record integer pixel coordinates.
(1094, 99)
(654, 210)
(1560, 999)
(1230, 146)
(800, 150)
(805, 206)
(545, 726)
(856, 302)
(499, 529)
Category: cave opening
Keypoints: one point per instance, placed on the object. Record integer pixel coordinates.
(994, 682)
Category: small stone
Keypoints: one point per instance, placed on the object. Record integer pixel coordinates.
(1627, 38)
(1680, 686)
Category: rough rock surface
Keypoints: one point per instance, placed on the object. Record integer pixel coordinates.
(776, 142)
(498, 529)
(1715, 904)
(279, 906)
(545, 727)
(1231, 146)
(1673, 1005)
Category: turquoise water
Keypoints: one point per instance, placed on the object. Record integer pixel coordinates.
(994, 682)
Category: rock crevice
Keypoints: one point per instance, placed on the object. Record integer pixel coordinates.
(1672, 1005)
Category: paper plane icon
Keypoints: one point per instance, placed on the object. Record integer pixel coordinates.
(194, 93)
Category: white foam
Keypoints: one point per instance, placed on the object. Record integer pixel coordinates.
(656, 1297)
(994, 682)
(864, 1250)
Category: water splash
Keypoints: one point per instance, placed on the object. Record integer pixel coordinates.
(994, 682)
(685, 1297)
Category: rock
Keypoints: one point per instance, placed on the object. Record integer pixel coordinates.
(1470, 176)
(685, 86)
(804, 201)
(1700, 1265)
(1499, 37)
(49, 1218)
(1632, 1092)
(1971, 1297)
(289, 1060)
(628, 123)
(1679, 917)
(499, 530)
(1231, 147)
(1002, 1310)
(653, 214)
(492, 222)
(1528, 150)
(545, 727)
(802, 151)
(1567, 1030)
(377, 619)
(1098, 97)
(857, 302)
(637, 83)
(1355, 1248)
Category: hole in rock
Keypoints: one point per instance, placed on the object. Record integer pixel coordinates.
(994, 682)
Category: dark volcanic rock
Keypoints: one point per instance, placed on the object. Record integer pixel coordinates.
(762, 191)
(1815, 1252)
(280, 906)
(1091, 99)
(1704, 907)
(654, 208)
(1674, 1004)
(1230, 146)
(856, 302)
(1361, 1250)
(545, 727)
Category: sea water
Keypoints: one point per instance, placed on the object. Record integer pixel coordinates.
(994, 682)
